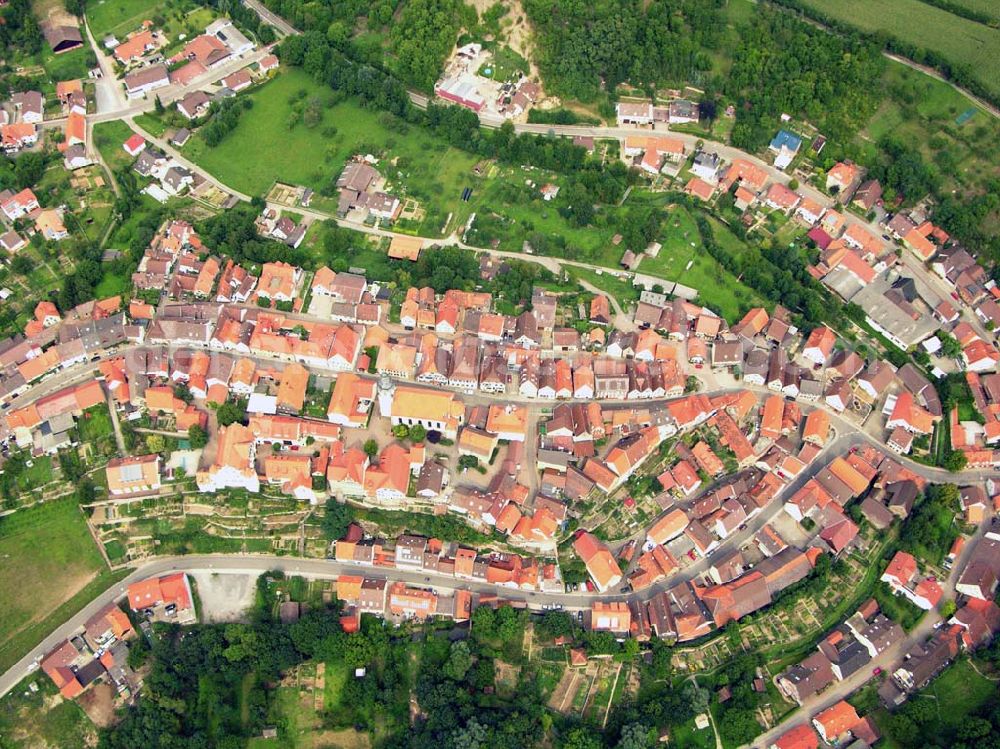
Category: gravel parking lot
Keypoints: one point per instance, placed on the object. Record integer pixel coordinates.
(224, 597)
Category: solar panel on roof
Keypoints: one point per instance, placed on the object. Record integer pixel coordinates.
(131, 472)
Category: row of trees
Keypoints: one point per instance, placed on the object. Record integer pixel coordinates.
(225, 116)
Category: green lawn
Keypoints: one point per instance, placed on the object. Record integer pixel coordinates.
(335, 676)
(67, 66)
(95, 424)
(960, 40)
(111, 285)
(622, 291)
(957, 693)
(36, 475)
(49, 556)
(270, 144)
(120, 17)
(683, 259)
(687, 736)
(505, 65)
(109, 137)
(927, 112)
(152, 123)
(960, 690)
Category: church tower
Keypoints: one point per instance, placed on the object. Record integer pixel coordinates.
(386, 392)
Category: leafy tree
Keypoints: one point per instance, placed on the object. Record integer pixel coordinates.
(401, 431)
(71, 465)
(336, 517)
(473, 735)
(85, 492)
(956, 461)
(635, 736)
(510, 623)
(697, 697)
(555, 624)
(29, 168)
(580, 738)
(950, 346)
(484, 623)
(358, 650)
(155, 443)
(417, 433)
(459, 661)
(738, 726)
(231, 412)
(197, 436)
(370, 448)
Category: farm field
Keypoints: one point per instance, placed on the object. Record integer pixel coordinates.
(962, 41)
(985, 7)
(49, 557)
(266, 146)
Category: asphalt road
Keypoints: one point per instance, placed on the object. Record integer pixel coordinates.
(255, 565)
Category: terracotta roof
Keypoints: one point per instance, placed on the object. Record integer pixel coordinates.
(699, 188)
(405, 248)
(837, 720)
(133, 474)
(800, 737)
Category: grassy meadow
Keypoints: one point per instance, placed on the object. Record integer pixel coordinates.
(48, 558)
(174, 17)
(961, 139)
(271, 144)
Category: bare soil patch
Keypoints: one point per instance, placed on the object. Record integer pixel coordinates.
(99, 704)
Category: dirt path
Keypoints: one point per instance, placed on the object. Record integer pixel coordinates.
(119, 439)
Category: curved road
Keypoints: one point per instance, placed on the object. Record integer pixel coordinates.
(850, 437)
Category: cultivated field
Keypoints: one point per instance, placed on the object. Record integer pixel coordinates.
(963, 41)
(985, 7)
(48, 557)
